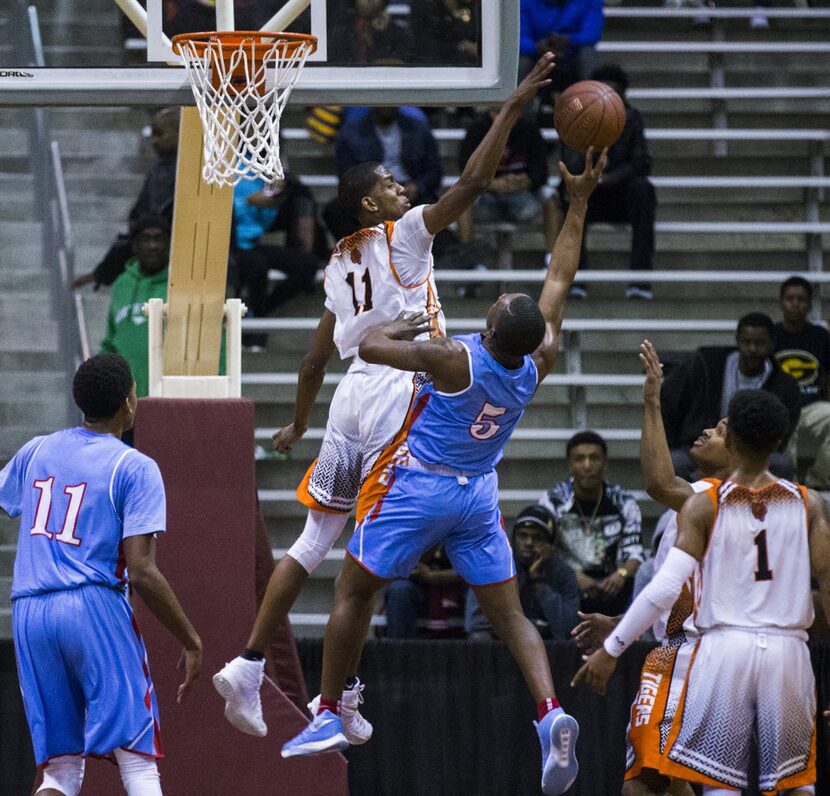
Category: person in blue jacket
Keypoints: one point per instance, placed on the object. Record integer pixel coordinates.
(568, 28)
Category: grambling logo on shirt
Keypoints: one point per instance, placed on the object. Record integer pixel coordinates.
(799, 364)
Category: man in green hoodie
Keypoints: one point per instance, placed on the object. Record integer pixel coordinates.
(144, 277)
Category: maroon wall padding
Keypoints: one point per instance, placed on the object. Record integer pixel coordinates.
(205, 449)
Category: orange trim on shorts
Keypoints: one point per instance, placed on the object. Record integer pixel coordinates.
(801, 778)
(671, 768)
(304, 496)
(379, 480)
(645, 738)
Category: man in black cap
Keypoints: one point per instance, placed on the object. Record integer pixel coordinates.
(547, 585)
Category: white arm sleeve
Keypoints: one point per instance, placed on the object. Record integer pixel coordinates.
(658, 596)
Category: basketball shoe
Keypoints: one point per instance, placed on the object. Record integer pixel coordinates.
(356, 729)
(558, 733)
(323, 734)
(238, 683)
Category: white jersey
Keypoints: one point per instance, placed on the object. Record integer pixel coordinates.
(378, 272)
(756, 570)
(679, 619)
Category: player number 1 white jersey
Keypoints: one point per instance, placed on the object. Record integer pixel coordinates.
(756, 570)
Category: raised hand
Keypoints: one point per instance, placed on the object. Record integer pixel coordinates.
(581, 186)
(536, 78)
(653, 369)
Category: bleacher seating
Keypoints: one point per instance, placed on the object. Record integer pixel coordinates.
(738, 123)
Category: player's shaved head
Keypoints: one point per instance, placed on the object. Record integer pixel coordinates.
(101, 385)
(519, 326)
(758, 421)
(358, 183)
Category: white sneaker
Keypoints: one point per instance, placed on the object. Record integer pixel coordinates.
(356, 729)
(238, 683)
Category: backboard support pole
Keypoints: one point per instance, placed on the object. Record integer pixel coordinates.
(198, 261)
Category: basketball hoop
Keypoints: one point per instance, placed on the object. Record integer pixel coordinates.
(241, 81)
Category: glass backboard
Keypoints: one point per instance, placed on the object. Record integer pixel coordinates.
(369, 52)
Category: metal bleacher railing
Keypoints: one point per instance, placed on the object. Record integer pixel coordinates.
(574, 378)
(813, 185)
(58, 253)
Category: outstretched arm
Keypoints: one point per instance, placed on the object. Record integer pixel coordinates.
(481, 167)
(158, 596)
(564, 259)
(820, 546)
(655, 459)
(309, 381)
(692, 534)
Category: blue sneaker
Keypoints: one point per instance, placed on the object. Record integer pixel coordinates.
(558, 733)
(323, 734)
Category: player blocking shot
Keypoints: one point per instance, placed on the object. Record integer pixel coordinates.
(373, 275)
(759, 540)
(445, 489)
(90, 508)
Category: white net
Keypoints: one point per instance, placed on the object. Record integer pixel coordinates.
(241, 84)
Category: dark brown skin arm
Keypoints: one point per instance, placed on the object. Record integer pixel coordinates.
(564, 259)
(309, 381)
(482, 165)
(156, 593)
(655, 459)
(442, 357)
(820, 546)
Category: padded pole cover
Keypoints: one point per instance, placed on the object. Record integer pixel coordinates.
(205, 449)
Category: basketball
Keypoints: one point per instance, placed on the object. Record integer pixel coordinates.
(589, 113)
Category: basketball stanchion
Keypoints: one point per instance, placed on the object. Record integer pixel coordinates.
(241, 82)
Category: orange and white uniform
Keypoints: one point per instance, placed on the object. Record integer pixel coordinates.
(371, 277)
(664, 669)
(750, 673)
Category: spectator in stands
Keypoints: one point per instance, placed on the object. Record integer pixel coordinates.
(366, 33)
(517, 193)
(144, 277)
(547, 585)
(568, 28)
(624, 194)
(599, 527)
(446, 31)
(803, 352)
(399, 138)
(697, 394)
(155, 199)
(258, 208)
(432, 597)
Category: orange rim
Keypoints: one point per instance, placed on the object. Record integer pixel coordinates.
(289, 42)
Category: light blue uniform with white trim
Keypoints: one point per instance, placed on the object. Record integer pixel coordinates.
(81, 660)
(447, 489)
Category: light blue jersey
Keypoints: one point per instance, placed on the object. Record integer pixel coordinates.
(78, 494)
(469, 429)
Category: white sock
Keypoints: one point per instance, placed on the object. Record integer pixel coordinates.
(64, 773)
(139, 773)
